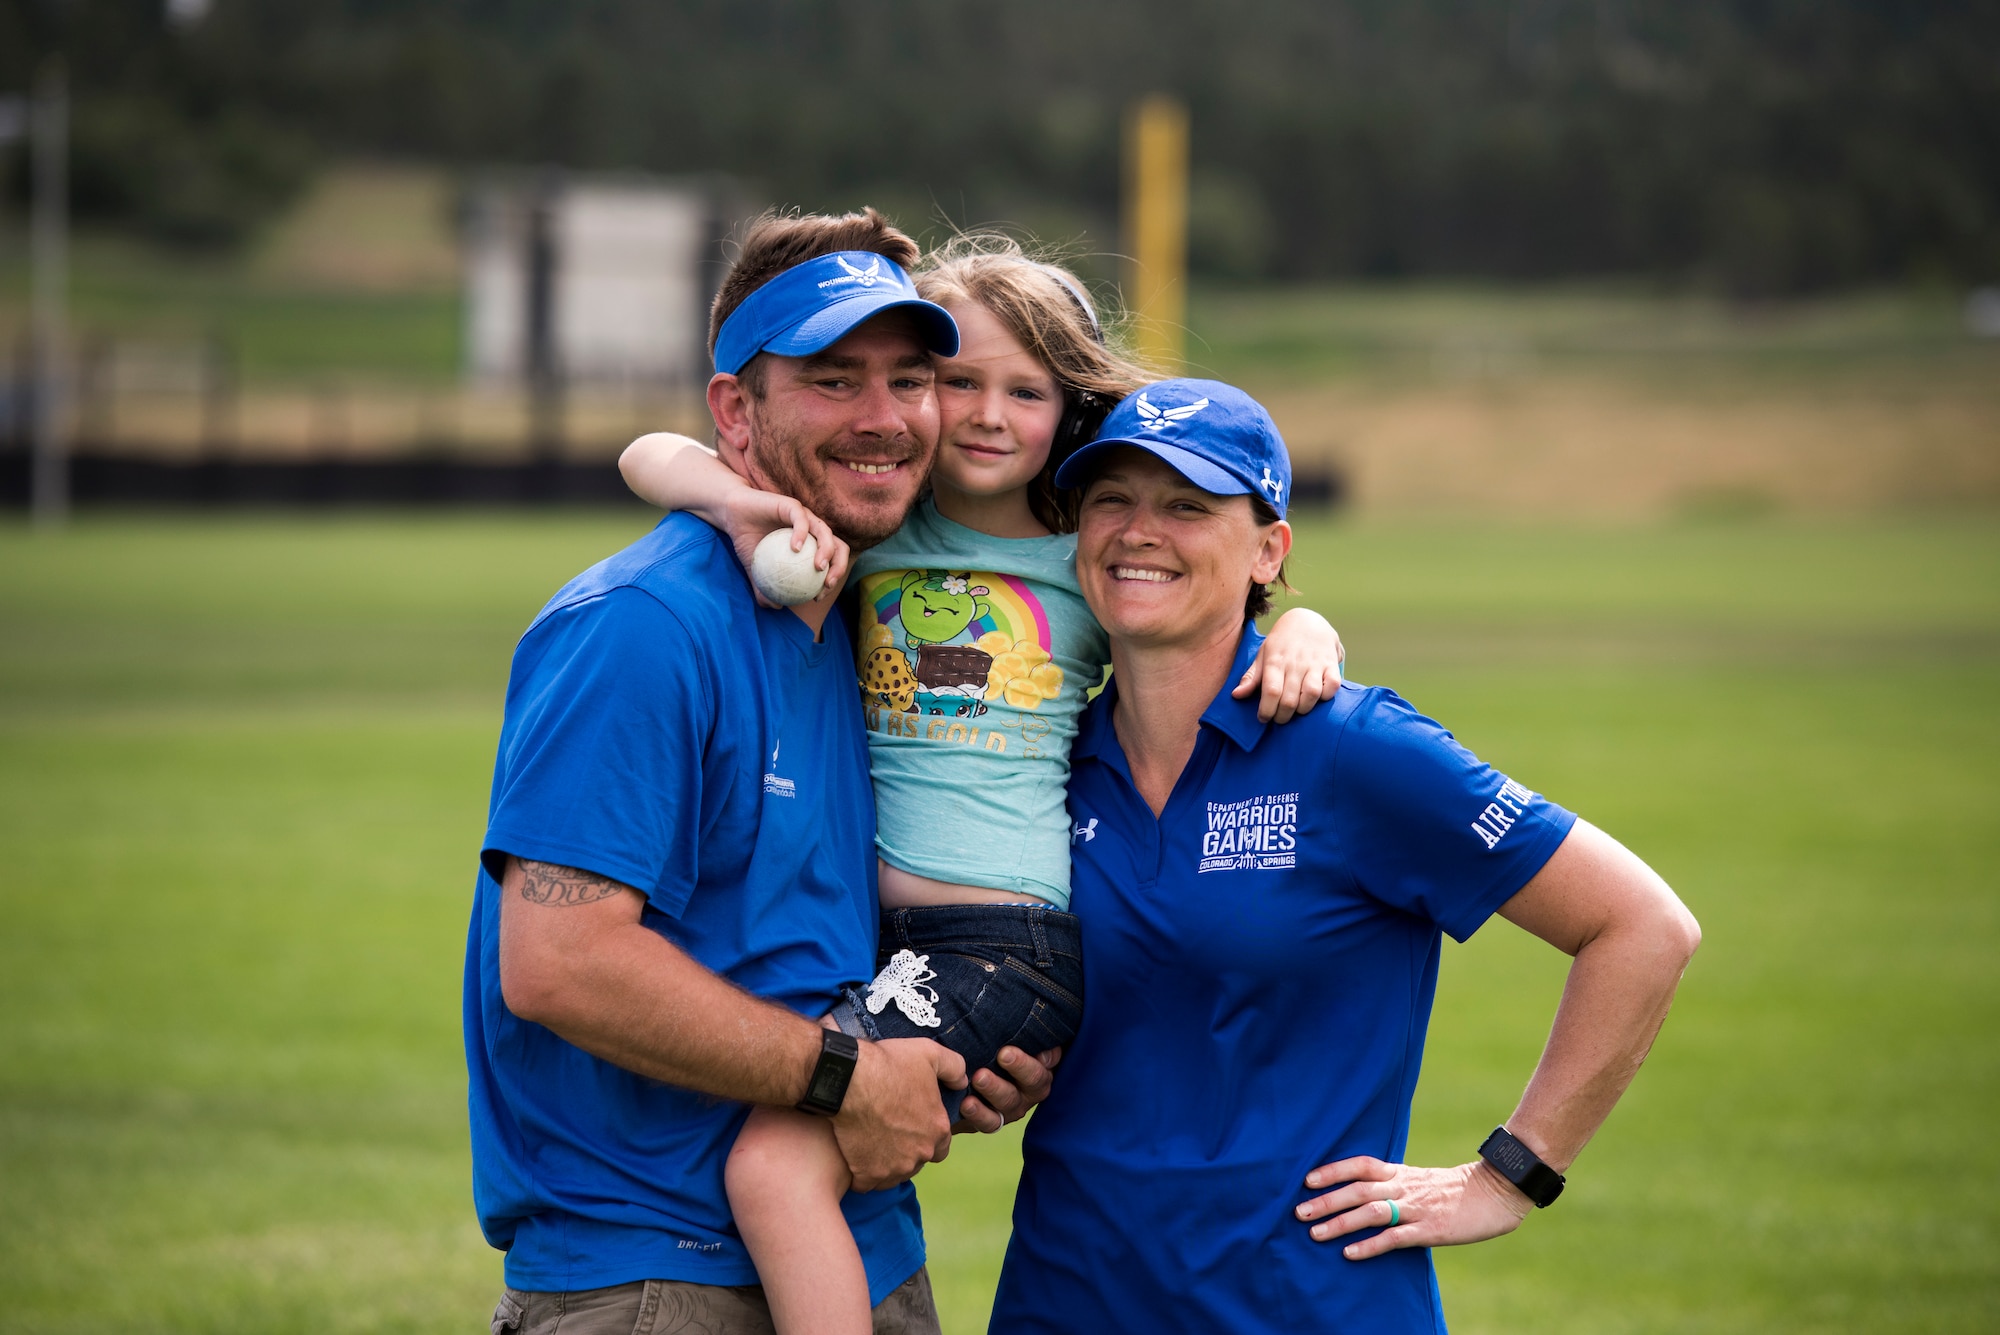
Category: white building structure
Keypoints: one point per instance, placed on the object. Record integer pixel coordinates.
(605, 280)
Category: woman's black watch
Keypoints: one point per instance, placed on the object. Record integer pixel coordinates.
(835, 1067)
(1522, 1166)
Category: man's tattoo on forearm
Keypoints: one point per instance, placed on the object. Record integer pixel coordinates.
(561, 887)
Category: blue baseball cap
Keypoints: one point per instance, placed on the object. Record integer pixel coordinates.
(1212, 434)
(812, 306)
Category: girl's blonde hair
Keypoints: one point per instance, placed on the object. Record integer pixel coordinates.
(1048, 311)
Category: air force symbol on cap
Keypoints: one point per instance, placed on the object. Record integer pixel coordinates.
(865, 277)
(1213, 434)
(1163, 419)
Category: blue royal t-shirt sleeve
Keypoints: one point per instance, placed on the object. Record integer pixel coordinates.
(599, 766)
(1432, 829)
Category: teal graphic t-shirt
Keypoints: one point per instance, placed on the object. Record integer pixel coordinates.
(975, 654)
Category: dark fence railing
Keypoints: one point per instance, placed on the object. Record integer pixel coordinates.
(102, 479)
(98, 479)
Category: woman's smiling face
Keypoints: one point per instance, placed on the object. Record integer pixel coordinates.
(1161, 562)
(998, 407)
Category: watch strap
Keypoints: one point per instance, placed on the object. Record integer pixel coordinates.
(1522, 1166)
(828, 1087)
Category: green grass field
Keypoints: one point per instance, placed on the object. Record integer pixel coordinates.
(243, 767)
(276, 330)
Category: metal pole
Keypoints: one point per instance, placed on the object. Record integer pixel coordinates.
(545, 355)
(1156, 208)
(49, 250)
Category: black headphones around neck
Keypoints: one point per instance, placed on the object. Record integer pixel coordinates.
(1083, 411)
(1083, 414)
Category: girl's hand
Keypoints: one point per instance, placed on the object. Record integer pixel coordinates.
(1298, 666)
(1414, 1207)
(675, 472)
(749, 516)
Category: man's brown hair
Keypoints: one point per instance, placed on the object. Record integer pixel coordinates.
(775, 242)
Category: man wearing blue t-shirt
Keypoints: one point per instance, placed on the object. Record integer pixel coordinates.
(678, 873)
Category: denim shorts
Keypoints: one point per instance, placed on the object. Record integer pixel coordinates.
(974, 977)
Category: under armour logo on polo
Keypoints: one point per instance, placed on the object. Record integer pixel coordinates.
(1275, 487)
(1160, 419)
(1084, 832)
(868, 277)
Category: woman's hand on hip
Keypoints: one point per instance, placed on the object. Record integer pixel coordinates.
(1414, 1207)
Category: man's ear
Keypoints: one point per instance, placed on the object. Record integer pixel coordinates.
(729, 404)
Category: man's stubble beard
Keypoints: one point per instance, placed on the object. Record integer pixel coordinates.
(800, 472)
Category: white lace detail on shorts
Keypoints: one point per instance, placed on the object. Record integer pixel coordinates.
(902, 981)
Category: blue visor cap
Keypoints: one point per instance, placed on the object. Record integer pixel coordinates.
(1212, 434)
(812, 306)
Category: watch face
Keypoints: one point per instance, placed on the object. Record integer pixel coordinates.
(831, 1074)
(1521, 1166)
(1508, 1155)
(829, 1083)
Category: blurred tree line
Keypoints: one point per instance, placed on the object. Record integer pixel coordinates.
(1765, 145)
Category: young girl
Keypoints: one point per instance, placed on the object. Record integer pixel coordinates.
(976, 652)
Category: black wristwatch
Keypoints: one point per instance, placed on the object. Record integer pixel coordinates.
(1522, 1166)
(835, 1067)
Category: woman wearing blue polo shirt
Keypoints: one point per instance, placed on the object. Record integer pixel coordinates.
(1262, 912)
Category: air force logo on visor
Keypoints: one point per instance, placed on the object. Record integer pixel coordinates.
(1164, 419)
(868, 277)
(813, 305)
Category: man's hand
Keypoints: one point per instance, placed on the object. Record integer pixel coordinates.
(1434, 1207)
(996, 1100)
(892, 1121)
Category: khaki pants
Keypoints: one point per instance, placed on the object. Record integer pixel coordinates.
(672, 1307)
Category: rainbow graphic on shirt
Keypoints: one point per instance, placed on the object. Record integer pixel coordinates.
(952, 642)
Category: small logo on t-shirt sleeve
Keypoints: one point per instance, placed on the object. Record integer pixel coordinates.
(1507, 806)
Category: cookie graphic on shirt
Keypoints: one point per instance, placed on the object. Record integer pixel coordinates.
(886, 679)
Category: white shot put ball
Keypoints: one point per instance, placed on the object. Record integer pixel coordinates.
(786, 577)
